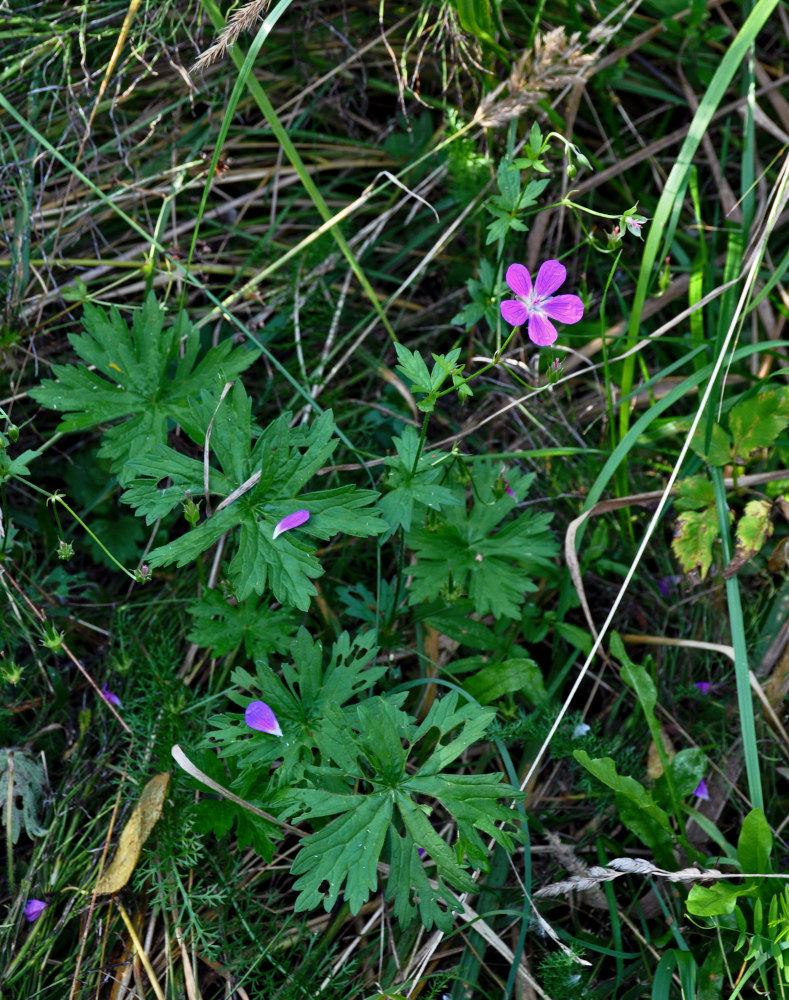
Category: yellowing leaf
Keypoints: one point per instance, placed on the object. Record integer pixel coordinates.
(753, 529)
(135, 833)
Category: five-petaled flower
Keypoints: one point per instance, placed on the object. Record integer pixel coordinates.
(537, 305)
(110, 696)
(259, 716)
(34, 908)
(294, 520)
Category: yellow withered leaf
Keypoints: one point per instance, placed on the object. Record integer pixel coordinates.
(135, 833)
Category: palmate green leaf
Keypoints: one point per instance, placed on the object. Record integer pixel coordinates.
(411, 889)
(310, 700)
(344, 852)
(373, 758)
(413, 490)
(221, 626)
(285, 459)
(466, 553)
(145, 374)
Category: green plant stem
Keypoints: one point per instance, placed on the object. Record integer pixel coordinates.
(741, 670)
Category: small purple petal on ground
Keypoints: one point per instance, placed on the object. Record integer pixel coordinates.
(110, 696)
(421, 852)
(259, 716)
(702, 792)
(550, 277)
(667, 584)
(703, 686)
(34, 908)
(294, 520)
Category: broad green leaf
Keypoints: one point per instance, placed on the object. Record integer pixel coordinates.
(757, 422)
(719, 451)
(694, 493)
(714, 900)
(509, 676)
(145, 374)
(755, 844)
(604, 769)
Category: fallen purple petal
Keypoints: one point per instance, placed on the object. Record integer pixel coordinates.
(110, 696)
(668, 583)
(259, 716)
(536, 305)
(421, 852)
(702, 792)
(703, 686)
(34, 908)
(294, 520)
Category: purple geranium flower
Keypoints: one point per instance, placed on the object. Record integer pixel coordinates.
(34, 908)
(294, 520)
(259, 716)
(702, 792)
(537, 304)
(110, 696)
(703, 687)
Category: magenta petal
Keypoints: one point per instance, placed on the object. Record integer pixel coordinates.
(110, 696)
(702, 792)
(294, 520)
(519, 280)
(514, 312)
(564, 308)
(550, 277)
(259, 716)
(541, 331)
(34, 908)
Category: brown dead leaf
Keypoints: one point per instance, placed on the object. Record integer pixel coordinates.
(135, 833)
(654, 765)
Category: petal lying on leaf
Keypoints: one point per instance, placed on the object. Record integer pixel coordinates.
(259, 716)
(294, 520)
